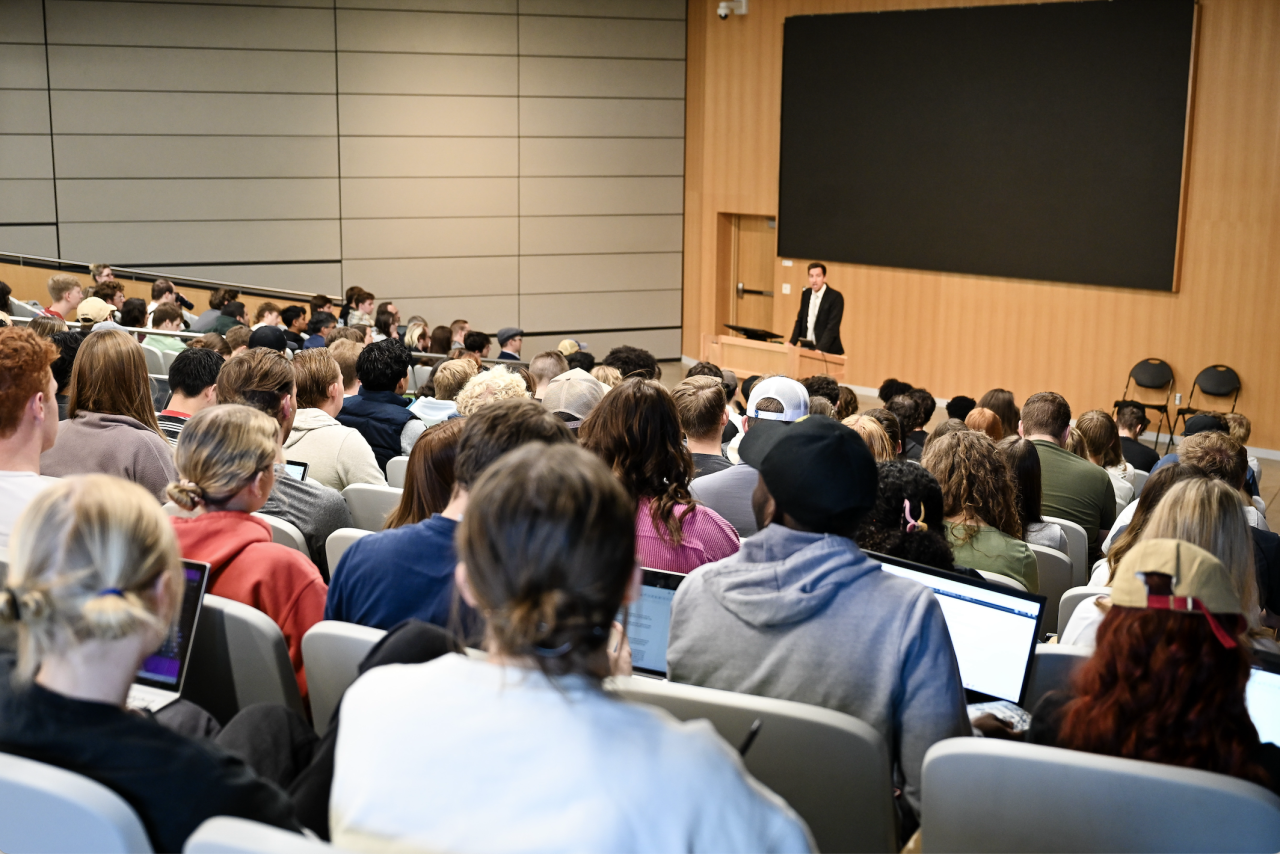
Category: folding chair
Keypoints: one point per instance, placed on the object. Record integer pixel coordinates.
(44, 808)
(1055, 572)
(370, 504)
(238, 658)
(332, 652)
(285, 533)
(155, 361)
(1154, 375)
(397, 467)
(1214, 381)
(994, 795)
(833, 769)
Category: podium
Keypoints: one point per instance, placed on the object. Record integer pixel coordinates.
(749, 358)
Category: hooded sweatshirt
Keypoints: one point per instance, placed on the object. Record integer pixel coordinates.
(339, 456)
(809, 617)
(97, 443)
(247, 567)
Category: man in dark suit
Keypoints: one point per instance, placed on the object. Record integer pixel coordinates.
(821, 310)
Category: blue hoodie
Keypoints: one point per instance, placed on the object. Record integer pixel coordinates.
(810, 618)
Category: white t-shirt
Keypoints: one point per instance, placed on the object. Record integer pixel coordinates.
(17, 489)
(815, 302)
(463, 755)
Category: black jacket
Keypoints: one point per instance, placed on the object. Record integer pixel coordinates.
(826, 328)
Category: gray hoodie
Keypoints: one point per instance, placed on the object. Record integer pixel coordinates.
(809, 617)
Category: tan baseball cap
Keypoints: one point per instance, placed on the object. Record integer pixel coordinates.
(94, 309)
(1200, 582)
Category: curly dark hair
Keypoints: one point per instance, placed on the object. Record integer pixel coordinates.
(891, 388)
(383, 364)
(885, 529)
(822, 386)
(960, 406)
(68, 344)
(927, 403)
(581, 359)
(633, 362)
(975, 482)
(1161, 688)
(635, 429)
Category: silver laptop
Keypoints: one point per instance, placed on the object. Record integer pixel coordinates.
(159, 682)
(648, 622)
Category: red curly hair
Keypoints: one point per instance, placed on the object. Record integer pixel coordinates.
(1161, 688)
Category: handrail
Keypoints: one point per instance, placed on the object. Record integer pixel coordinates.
(75, 327)
(205, 284)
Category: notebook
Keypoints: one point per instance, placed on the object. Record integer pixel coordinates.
(993, 628)
(648, 622)
(159, 682)
(1262, 696)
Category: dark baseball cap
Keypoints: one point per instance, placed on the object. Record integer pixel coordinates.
(815, 468)
(1204, 423)
(271, 337)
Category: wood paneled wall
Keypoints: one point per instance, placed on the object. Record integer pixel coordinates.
(960, 334)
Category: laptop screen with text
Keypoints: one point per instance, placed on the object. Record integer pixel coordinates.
(165, 667)
(648, 621)
(993, 628)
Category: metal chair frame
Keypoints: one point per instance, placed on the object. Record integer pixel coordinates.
(1231, 386)
(1147, 374)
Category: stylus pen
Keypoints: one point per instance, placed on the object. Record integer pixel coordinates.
(751, 737)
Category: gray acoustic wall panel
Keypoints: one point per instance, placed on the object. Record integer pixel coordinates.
(513, 162)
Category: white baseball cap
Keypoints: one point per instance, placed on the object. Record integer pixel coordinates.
(793, 397)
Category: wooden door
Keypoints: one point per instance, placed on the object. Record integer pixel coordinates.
(755, 253)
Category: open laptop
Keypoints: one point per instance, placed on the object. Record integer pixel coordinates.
(1262, 696)
(297, 470)
(159, 682)
(648, 622)
(993, 629)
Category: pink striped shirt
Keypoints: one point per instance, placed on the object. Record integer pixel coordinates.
(706, 537)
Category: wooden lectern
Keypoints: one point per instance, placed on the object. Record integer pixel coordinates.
(748, 358)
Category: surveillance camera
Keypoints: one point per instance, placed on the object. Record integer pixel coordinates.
(737, 7)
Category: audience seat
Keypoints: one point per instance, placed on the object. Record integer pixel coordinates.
(1056, 575)
(332, 652)
(285, 533)
(370, 504)
(1077, 549)
(238, 658)
(997, 578)
(227, 835)
(1052, 666)
(1139, 481)
(397, 467)
(155, 360)
(991, 795)
(419, 374)
(1072, 599)
(338, 543)
(18, 308)
(44, 808)
(168, 356)
(833, 769)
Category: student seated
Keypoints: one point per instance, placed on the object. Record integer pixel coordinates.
(906, 520)
(193, 381)
(379, 410)
(1200, 511)
(319, 323)
(167, 318)
(907, 411)
(447, 381)
(111, 424)
(981, 507)
(1073, 488)
(1102, 447)
(636, 431)
(545, 367)
(1129, 525)
(405, 572)
(1167, 680)
(1023, 461)
(87, 616)
(338, 455)
(68, 344)
(728, 493)
(226, 459)
(429, 476)
(547, 555)
(263, 379)
(497, 383)
(702, 408)
(1000, 401)
(1132, 421)
(873, 436)
(65, 295)
(802, 614)
(28, 421)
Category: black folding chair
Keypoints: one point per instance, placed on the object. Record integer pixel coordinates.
(1214, 381)
(1156, 375)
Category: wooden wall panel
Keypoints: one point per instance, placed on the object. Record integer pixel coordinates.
(957, 334)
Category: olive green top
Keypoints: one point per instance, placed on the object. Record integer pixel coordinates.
(993, 551)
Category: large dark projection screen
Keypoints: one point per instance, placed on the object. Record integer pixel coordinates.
(1037, 142)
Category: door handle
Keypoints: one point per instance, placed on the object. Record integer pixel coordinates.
(743, 289)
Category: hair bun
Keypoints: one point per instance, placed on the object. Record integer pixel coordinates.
(185, 494)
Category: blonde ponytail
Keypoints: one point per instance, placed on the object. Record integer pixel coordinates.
(84, 562)
(220, 451)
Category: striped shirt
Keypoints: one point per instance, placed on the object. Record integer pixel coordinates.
(171, 424)
(705, 537)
